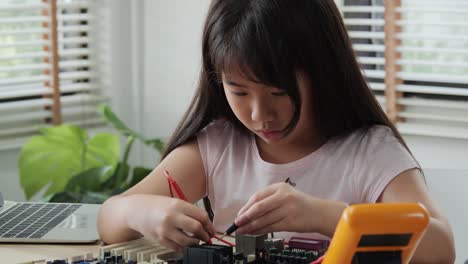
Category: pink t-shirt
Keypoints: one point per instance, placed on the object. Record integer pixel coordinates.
(354, 169)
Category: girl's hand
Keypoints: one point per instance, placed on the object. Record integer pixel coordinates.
(279, 207)
(175, 223)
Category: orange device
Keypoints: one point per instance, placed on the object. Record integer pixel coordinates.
(385, 233)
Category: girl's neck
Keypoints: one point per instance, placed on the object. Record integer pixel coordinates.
(289, 151)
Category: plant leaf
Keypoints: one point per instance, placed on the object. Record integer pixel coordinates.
(122, 175)
(113, 182)
(81, 197)
(156, 143)
(112, 118)
(139, 173)
(102, 150)
(89, 180)
(117, 191)
(94, 197)
(66, 197)
(52, 158)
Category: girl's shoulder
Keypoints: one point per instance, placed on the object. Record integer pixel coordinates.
(219, 128)
(220, 133)
(375, 134)
(220, 140)
(364, 143)
(374, 156)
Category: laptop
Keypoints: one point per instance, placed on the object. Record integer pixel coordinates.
(35, 222)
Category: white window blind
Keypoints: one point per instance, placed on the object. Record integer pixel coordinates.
(48, 66)
(415, 56)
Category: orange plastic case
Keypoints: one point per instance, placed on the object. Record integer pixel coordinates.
(378, 233)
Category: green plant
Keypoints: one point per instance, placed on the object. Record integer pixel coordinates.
(75, 168)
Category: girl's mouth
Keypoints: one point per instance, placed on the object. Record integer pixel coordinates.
(271, 134)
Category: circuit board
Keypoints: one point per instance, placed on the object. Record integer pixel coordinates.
(143, 251)
(366, 234)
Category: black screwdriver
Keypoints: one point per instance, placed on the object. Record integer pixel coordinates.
(234, 227)
(230, 230)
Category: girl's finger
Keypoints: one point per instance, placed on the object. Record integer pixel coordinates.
(258, 197)
(274, 227)
(201, 216)
(192, 225)
(182, 239)
(258, 209)
(265, 221)
(170, 244)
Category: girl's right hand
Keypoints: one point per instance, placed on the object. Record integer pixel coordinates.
(174, 222)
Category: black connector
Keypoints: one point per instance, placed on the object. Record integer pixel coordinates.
(208, 254)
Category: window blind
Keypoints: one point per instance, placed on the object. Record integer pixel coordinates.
(415, 56)
(48, 69)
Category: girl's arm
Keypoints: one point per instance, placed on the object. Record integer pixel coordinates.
(437, 244)
(147, 209)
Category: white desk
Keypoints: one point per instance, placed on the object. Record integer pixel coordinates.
(21, 253)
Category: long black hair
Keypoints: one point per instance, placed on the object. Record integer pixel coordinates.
(269, 41)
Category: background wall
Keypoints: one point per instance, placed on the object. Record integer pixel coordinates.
(171, 62)
(9, 178)
(155, 63)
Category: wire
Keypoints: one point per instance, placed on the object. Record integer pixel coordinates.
(224, 241)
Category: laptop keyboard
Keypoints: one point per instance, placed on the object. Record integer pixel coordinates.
(33, 220)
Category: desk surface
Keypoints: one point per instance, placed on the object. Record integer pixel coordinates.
(21, 253)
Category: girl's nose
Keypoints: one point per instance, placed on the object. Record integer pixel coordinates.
(262, 111)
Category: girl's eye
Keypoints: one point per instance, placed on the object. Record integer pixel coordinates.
(279, 93)
(239, 93)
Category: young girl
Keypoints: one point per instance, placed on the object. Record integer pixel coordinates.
(280, 96)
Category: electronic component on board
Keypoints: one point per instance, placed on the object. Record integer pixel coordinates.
(250, 244)
(208, 254)
(277, 243)
(288, 256)
(316, 245)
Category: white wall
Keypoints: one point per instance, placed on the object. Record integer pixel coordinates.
(439, 153)
(9, 176)
(449, 188)
(171, 62)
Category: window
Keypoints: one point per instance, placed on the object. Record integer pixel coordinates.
(415, 56)
(51, 66)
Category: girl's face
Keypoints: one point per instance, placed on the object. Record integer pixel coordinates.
(265, 110)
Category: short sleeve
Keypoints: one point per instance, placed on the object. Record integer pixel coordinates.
(384, 158)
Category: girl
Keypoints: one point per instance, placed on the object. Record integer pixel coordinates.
(280, 96)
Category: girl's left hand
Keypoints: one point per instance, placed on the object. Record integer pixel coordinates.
(279, 207)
